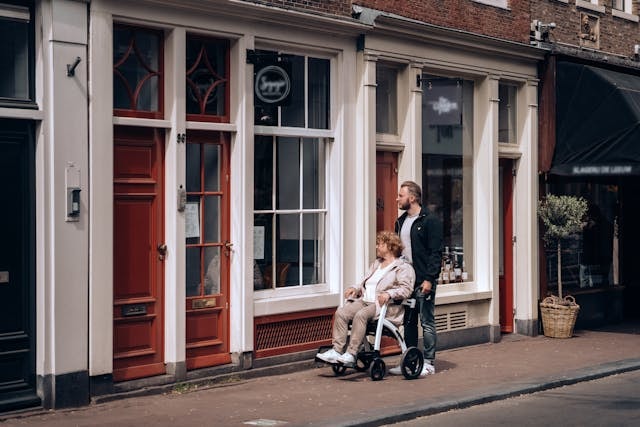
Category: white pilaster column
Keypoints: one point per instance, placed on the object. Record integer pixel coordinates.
(526, 220)
(175, 293)
(101, 191)
(486, 191)
(62, 315)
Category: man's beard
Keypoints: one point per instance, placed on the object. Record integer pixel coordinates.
(404, 206)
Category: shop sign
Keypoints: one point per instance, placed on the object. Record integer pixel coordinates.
(602, 170)
(272, 85)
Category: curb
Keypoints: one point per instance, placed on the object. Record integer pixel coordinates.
(410, 412)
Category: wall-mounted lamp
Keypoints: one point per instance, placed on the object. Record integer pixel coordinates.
(540, 31)
(71, 68)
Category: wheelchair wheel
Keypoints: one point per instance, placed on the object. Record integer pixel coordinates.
(339, 369)
(411, 363)
(378, 369)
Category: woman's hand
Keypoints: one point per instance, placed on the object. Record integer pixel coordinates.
(351, 292)
(383, 297)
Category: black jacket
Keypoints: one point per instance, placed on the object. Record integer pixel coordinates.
(426, 246)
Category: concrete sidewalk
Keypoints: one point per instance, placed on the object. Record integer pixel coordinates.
(465, 376)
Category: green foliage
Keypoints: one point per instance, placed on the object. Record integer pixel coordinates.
(562, 216)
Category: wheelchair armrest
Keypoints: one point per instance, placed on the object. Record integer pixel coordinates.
(409, 302)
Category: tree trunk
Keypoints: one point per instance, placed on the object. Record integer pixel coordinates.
(559, 271)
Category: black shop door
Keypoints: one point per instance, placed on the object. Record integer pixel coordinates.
(17, 266)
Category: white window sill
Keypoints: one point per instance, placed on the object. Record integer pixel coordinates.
(502, 4)
(21, 113)
(588, 5)
(292, 303)
(624, 15)
(460, 292)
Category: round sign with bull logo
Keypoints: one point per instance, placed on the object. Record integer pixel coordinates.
(272, 85)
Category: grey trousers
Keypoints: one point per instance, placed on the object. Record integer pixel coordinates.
(359, 312)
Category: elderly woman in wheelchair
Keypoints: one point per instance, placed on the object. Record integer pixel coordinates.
(380, 295)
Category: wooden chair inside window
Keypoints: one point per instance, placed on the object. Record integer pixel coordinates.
(282, 270)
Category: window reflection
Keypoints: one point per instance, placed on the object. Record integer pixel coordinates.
(447, 168)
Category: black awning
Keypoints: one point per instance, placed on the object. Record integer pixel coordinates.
(597, 122)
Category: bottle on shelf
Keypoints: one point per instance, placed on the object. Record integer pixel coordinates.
(464, 276)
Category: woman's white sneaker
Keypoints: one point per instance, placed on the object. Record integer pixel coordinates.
(347, 359)
(329, 356)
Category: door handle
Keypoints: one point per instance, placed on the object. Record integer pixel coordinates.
(162, 251)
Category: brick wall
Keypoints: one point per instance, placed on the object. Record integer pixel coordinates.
(340, 8)
(617, 35)
(510, 24)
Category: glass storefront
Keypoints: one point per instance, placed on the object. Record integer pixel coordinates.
(447, 169)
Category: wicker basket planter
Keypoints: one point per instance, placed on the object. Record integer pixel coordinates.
(559, 316)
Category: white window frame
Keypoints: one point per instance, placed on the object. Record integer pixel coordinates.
(328, 135)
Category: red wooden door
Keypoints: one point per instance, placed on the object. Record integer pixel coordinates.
(506, 247)
(138, 307)
(208, 249)
(386, 190)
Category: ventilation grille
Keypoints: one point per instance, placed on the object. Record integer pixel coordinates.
(451, 321)
(289, 334)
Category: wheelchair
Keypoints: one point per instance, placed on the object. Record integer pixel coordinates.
(368, 358)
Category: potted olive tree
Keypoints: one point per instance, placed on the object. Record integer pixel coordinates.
(562, 216)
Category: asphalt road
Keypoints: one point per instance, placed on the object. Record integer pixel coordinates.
(610, 401)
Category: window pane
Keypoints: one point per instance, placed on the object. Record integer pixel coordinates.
(507, 113)
(447, 163)
(312, 174)
(263, 173)
(319, 78)
(386, 99)
(136, 58)
(193, 272)
(212, 275)
(211, 167)
(211, 219)
(288, 173)
(293, 113)
(192, 220)
(193, 167)
(263, 251)
(264, 114)
(288, 249)
(206, 78)
(313, 248)
(14, 55)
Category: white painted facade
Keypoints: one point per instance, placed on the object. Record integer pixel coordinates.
(74, 260)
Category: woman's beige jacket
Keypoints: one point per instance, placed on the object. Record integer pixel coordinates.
(398, 282)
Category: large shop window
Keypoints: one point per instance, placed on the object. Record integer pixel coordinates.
(590, 259)
(290, 212)
(16, 74)
(447, 168)
(207, 79)
(137, 72)
(290, 164)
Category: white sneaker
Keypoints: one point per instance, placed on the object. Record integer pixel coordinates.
(347, 359)
(395, 371)
(428, 369)
(329, 356)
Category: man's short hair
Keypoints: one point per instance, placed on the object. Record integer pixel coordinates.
(414, 190)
